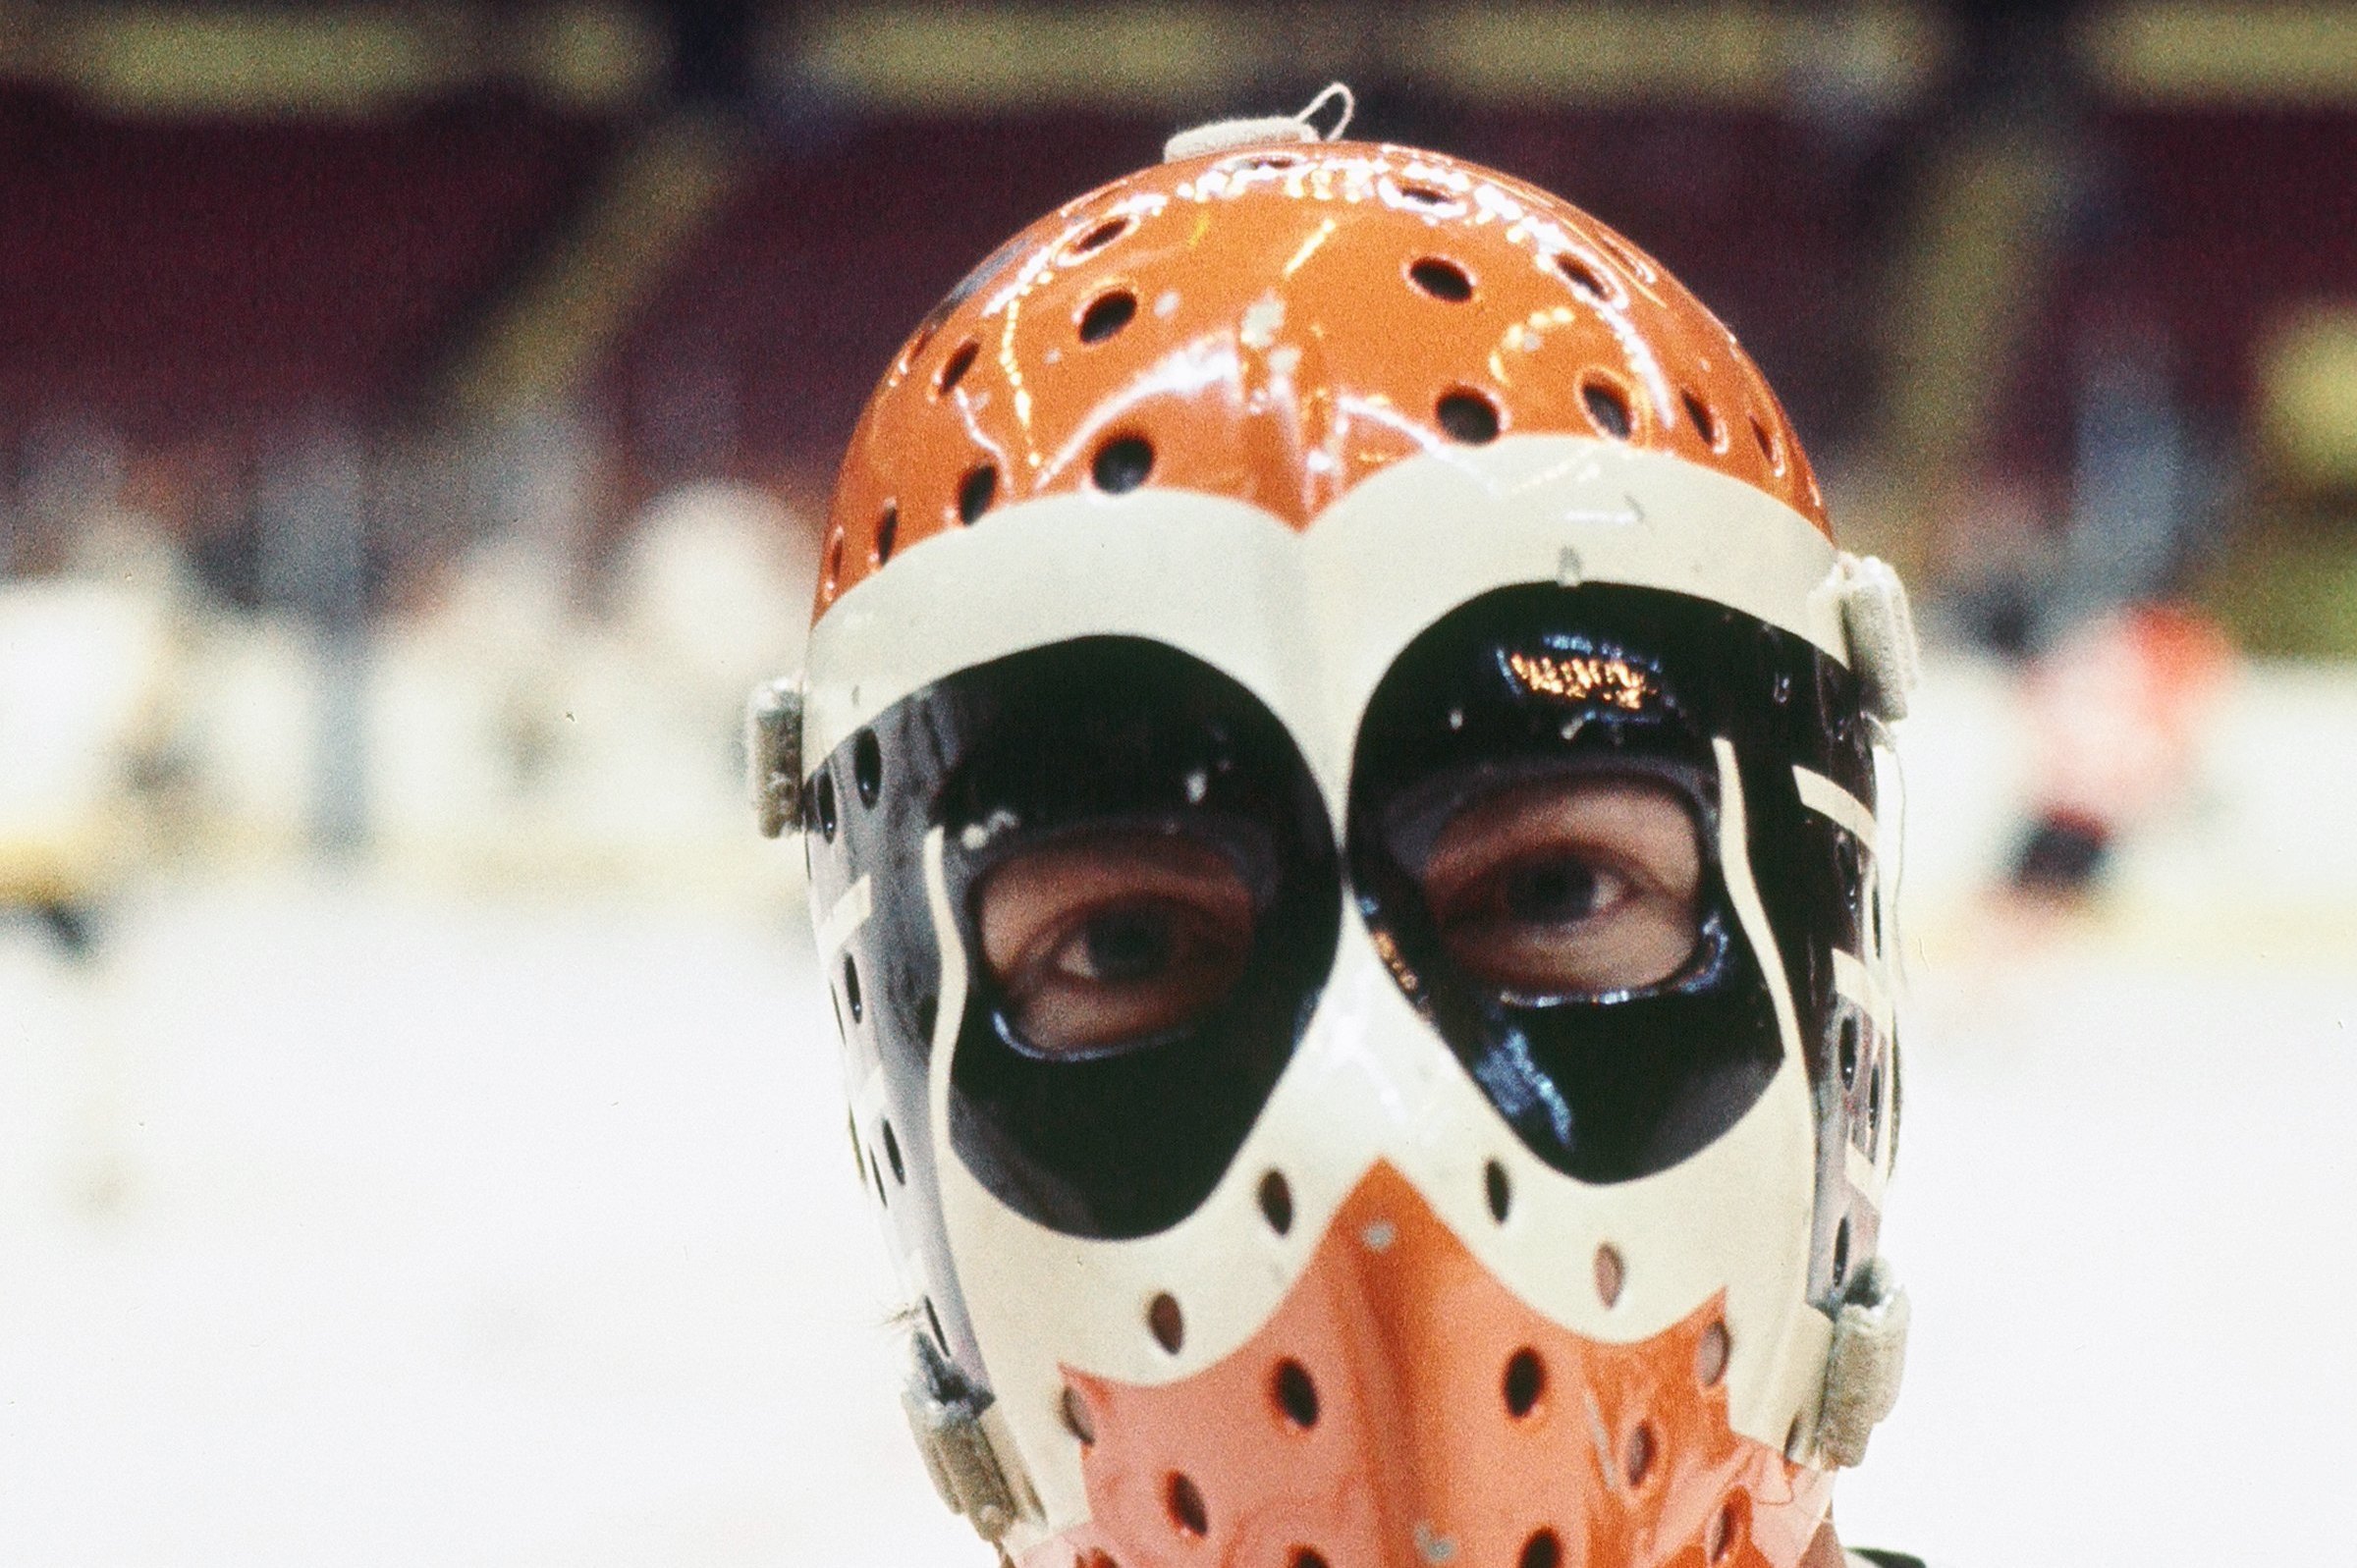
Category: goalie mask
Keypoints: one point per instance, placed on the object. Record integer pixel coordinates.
(1338, 766)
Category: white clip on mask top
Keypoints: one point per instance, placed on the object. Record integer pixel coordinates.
(1223, 135)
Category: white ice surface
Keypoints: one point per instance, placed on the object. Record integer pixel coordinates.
(2125, 1207)
(346, 1225)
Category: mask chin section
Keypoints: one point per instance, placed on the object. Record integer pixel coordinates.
(1402, 1407)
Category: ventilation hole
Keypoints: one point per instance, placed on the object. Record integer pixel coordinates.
(876, 1175)
(1637, 1463)
(1165, 1320)
(1607, 405)
(1272, 160)
(1621, 253)
(1123, 463)
(1770, 446)
(825, 806)
(1710, 1355)
(1076, 1419)
(1525, 1381)
(1611, 1273)
(1305, 1557)
(1187, 1507)
(1097, 238)
(1849, 1050)
(940, 1337)
(1467, 417)
(954, 369)
(867, 767)
(888, 529)
(1726, 1528)
(917, 344)
(1840, 1238)
(858, 1155)
(1277, 1202)
(1874, 1104)
(1442, 280)
(1582, 277)
(1106, 315)
(1098, 1558)
(834, 561)
(850, 989)
(1297, 1394)
(1542, 1550)
(1501, 1194)
(977, 491)
(892, 1154)
(1424, 196)
(1706, 424)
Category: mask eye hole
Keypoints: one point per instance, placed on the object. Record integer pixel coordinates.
(1580, 887)
(1110, 938)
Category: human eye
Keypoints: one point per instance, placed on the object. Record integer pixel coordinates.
(1583, 886)
(1111, 938)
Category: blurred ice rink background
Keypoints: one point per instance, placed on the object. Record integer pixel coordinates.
(419, 1135)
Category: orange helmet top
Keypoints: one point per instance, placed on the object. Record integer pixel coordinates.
(1272, 325)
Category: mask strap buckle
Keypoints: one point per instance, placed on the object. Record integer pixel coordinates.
(773, 755)
(1880, 628)
(946, 1417)
(1862, 1369)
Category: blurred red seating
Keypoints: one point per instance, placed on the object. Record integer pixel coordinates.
(2198, 231)
(764, 340)
(186, 276)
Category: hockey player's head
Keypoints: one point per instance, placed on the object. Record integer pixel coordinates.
(1340, 795)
